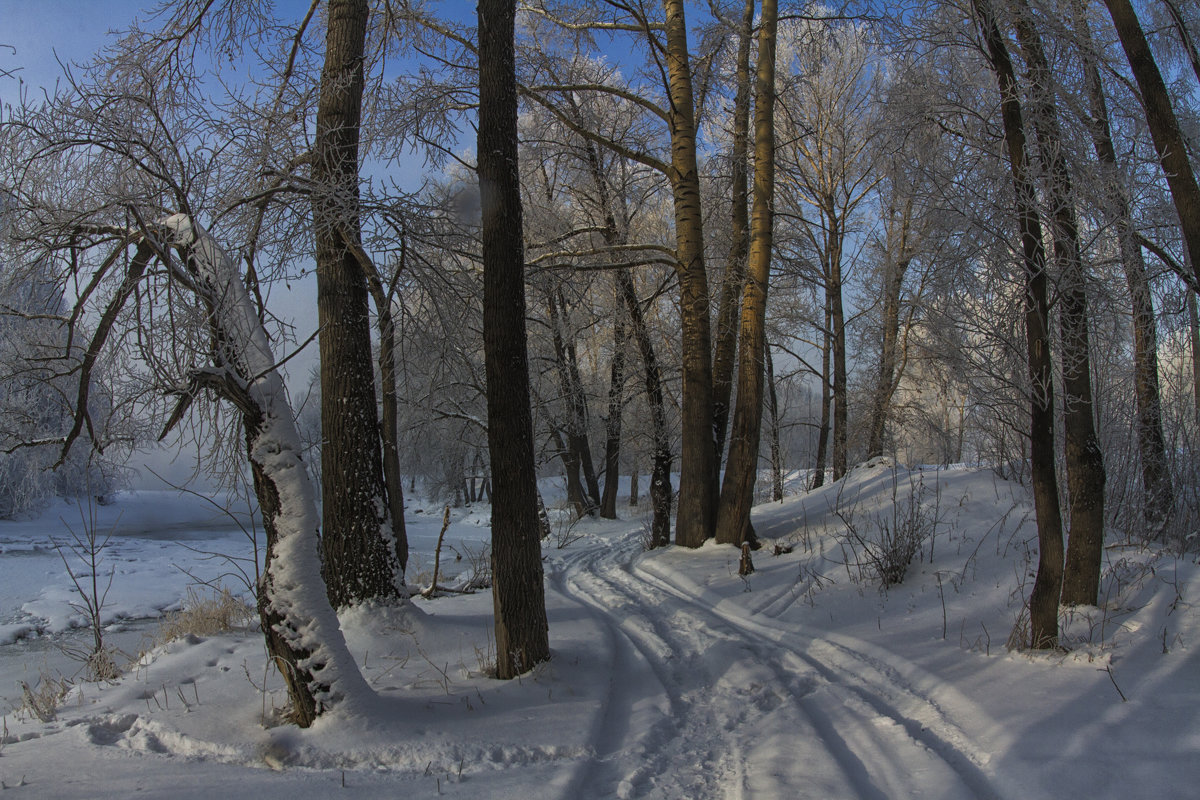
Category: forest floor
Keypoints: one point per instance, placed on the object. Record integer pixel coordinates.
(672, 676)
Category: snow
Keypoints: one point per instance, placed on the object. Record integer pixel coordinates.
(672, 676)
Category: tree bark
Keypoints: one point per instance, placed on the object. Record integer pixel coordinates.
(1194, 341)
(574, 398)
(1084, 458)
(518, 592)
(661, 492)
(698, 471)
(741, 472)
(390, 403)
(1044, 599)
(570, 461)
(359, 557)
(739, 239)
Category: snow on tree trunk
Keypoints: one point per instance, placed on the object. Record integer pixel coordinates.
(303, 635)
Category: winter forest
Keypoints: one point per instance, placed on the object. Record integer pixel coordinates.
(603, 398)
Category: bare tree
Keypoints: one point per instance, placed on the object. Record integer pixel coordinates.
(830, 121)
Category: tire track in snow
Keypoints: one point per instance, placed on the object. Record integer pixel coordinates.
(638, 702)
(865, 675)
(750, 713)
(679, 756)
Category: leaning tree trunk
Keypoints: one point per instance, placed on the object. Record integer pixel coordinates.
(1044, 600)
(741, 473)
(570, 461)
(359, 556)
(303, 636)
(390, 405)
(518, 592)
(1164, 127)
(698, 471)
(1085, 460)
(739, 239)
(1156, 477)
(1194, 342)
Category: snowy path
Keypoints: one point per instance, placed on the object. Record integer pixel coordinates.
(704, 703)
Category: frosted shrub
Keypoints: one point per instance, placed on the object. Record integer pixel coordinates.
(883, 546)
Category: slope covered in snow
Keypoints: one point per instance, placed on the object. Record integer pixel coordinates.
(674, 677)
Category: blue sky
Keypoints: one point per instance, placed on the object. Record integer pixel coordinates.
(33, 33)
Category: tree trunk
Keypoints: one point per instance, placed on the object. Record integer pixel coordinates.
(577, 402)
(359, 555)
(660, 471)
(897, 261)
(1194, 337)
(773, 429)
(302, 633)
(1164, 127)
(739, 239)
(612, 424)
(698, 473)
(741, 473)
(823, 428)
(1085, 460)
(391, 436)
(1156, 477)
(1044, 600)
(518, 592)
(633, 485)
(575, 450)
(837, 322)
(390, 402)
(570, 461)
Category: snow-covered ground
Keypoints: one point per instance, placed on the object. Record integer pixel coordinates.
(672, 676)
